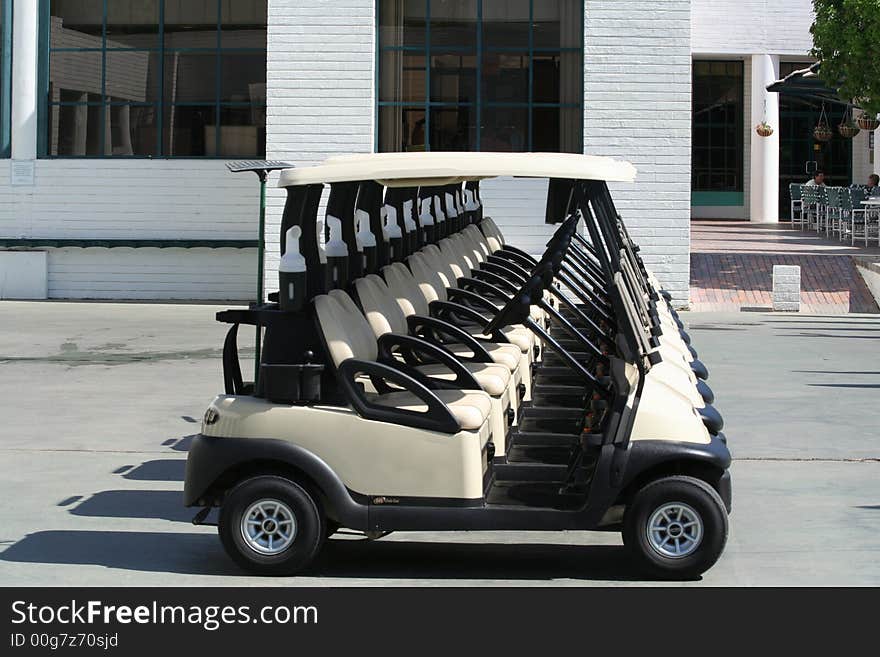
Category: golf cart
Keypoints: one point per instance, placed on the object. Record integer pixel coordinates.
(419, 373)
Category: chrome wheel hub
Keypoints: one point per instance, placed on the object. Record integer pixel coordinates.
(268, 526)
(675, 530)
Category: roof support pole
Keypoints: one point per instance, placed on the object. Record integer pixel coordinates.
(764, 178)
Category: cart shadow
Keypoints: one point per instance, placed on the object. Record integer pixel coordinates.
(164, 552)
(157, 470)
(401, 559)
(157, 504)
(202, 554)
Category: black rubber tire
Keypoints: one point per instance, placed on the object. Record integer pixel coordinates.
(309, 520)
(704, 499)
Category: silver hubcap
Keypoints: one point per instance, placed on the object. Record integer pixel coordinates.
(268, 526)
(675, 530)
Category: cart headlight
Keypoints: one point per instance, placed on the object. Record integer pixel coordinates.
(211, 416)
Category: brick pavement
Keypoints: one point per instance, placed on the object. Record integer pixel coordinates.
(732, 268)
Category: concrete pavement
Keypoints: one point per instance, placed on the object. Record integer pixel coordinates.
(98, 400)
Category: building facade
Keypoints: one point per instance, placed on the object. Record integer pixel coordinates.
(117, 118)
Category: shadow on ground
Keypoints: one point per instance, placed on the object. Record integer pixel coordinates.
(202, 554)
(159, 504)
(158, 470)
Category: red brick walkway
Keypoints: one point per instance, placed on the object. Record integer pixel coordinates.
(732, 268)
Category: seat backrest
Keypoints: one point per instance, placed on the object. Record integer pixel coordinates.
(346, 331)
(405, 289)
(493, 235)
(478, 239)
(453, 258)
(471, 255)
(794, 190)
(424, 270)
(831, 197)
(380, 306)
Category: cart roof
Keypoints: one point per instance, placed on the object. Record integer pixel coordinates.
(444, 168)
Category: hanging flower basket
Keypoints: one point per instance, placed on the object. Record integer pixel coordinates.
(822, 132)
(868, 123)
(764, 129)
(848, 130)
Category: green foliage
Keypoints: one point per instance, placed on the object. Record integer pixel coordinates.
(846, 39)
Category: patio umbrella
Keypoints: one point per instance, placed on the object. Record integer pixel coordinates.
(805, 83)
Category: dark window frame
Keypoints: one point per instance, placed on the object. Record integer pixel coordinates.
(159, 105)
(6, 78)
(708, 125)
(479, 105)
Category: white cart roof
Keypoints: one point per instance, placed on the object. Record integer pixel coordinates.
(444, 168)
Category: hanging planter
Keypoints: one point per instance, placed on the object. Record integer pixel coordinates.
(822, 131)
(764, 129)
(848, 128)
(868, 123)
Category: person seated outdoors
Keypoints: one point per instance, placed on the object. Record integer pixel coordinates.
(818, 179)
(873, 186)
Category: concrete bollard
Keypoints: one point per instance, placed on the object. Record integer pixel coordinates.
(787, 288)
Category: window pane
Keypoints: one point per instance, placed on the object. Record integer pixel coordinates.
(191, 77)
(453, 129)
(244, 76)
(402, 22)
(131, 76)
(401, 129)
(506, 24)
(717, 134)
(557, 24)
(401, 77)
(453, 78)
(74, 130)
(76, 23)
(191, 25)
(557, 129)
(74, 72)
(190, 130)
(133, 24)
(505, 77)
(505, 129)
(242, 132)
(243, 24)
(133, 130)
(545, 85)
(454, 23)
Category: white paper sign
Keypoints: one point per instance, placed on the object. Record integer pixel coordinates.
(22, 172)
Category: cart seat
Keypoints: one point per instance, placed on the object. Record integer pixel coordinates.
(411, 301)
(385, 316)
(470, 408)
(428, 268)
(348, 335)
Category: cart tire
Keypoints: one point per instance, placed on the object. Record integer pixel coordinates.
(270, 525)
(676, 527)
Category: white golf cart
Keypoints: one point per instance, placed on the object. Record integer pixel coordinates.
(419, 373)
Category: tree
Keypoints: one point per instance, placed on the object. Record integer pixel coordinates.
(846, 39)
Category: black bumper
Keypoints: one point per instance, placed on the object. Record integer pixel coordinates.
(216, 464)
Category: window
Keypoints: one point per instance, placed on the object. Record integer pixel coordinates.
(5, 74)
(493, 75)
(717, 141)
(164, 78)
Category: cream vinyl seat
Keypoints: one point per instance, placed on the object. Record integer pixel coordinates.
(348, 335)
(435, 274)
(412, 301)
(385, 316)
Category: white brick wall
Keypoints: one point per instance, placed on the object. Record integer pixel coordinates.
(637, 107)
(779, 27)
(320, 81)
(130, 199)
